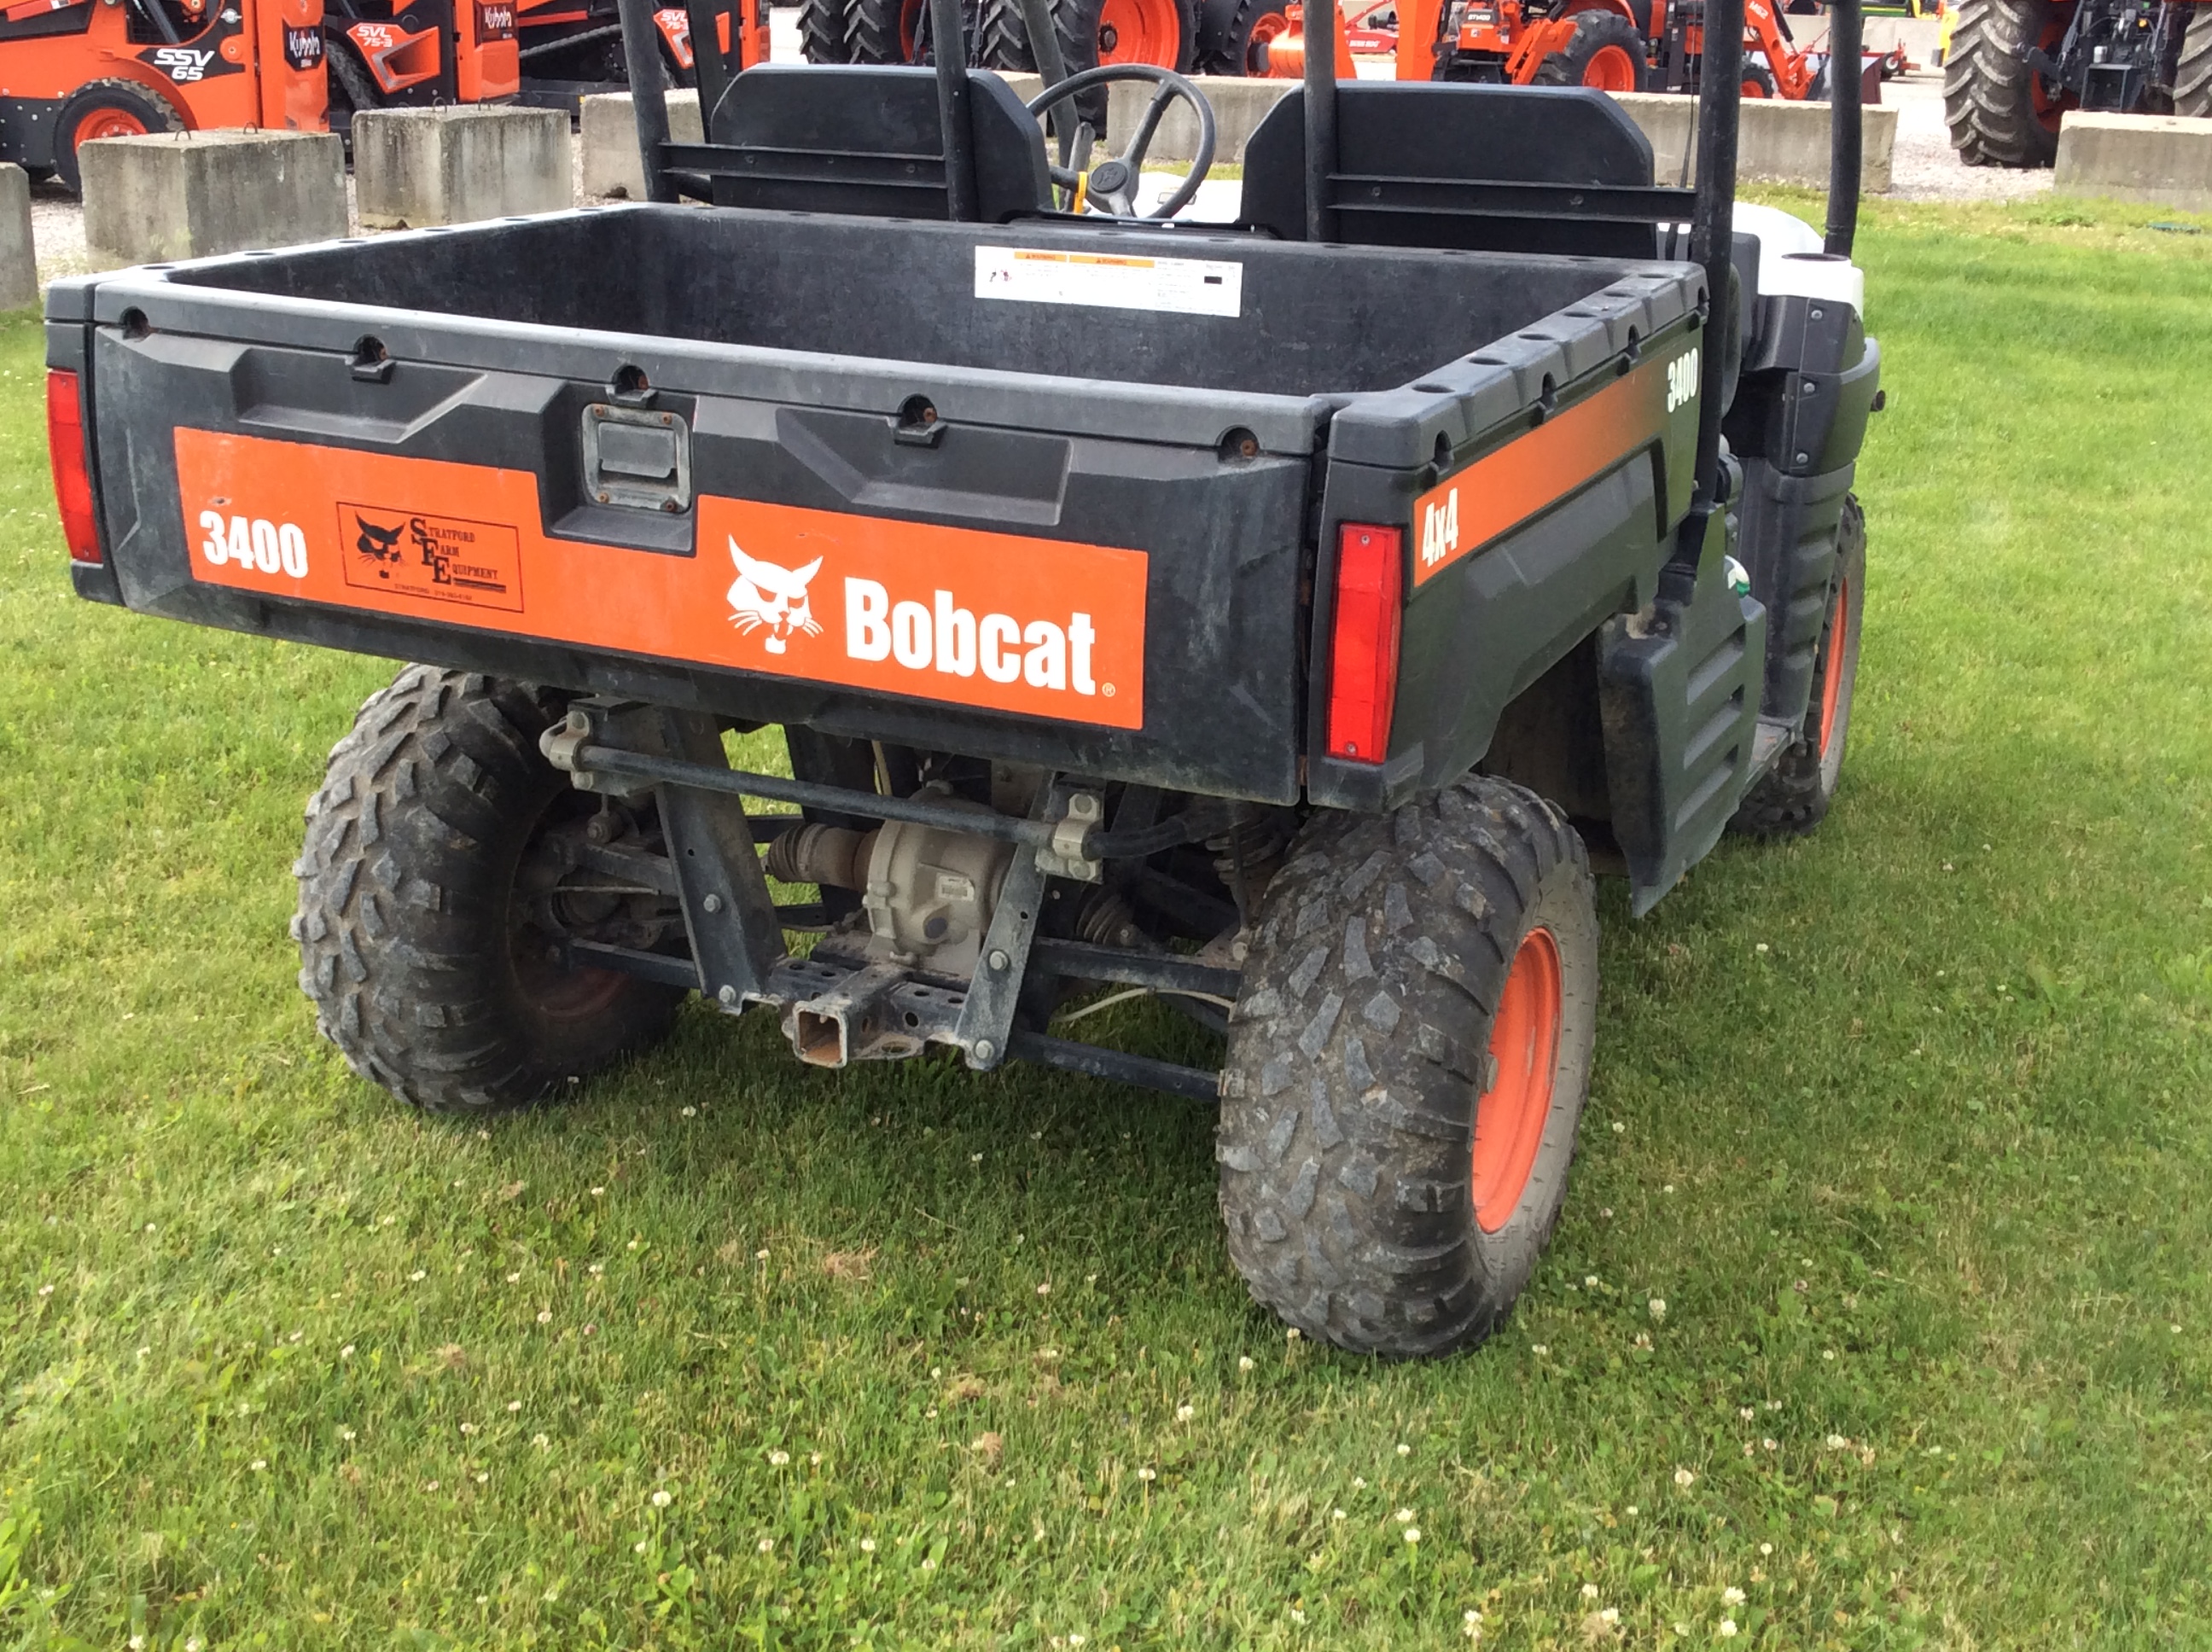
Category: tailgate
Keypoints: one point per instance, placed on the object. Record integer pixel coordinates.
(1096, 577)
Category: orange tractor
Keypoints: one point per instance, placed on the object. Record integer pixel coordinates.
(1615, 46)
(73, 71)
(1164, 34)
(391, 54)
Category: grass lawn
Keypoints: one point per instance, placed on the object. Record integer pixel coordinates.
(1884, 1295)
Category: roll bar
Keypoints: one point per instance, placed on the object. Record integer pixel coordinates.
(1720, 94)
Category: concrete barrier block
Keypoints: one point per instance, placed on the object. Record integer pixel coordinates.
(413, 168)
(1777, 141)
(609, 134)
(1239, 107)
(2164, 160)
(19, 261)
(191, 194)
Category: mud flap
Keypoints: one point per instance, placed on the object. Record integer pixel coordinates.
(1678, 690)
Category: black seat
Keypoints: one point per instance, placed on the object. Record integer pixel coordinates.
(860, 139)
(1473, 168)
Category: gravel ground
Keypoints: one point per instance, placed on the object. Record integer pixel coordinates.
(1924, 168)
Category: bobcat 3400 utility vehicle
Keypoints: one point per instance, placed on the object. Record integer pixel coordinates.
(1283, 617)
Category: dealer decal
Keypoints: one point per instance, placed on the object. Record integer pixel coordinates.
(1001, 622)
(1482, 502)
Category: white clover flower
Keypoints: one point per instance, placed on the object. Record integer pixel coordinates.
(1731, 1596)
(1658, 1307)
(1184, 1413)
(418, 1275)
(661, 1499)
(1619, 1128)
(1746, 1412)
(760, 1255)
(514, 1405)
(514, 1279)
(1244, 1362)
(1685, 1478)
(258, 1464)
(1403, 1515)
(346, 1352)
(1540, 1349)
(766, 1544)
(1358, 1484)
(867, 1546)
(1767, 1548)
(1589, 1281)
(1044, 1290)
(345, 1434)
(690, 1112)
(1728, 1624)
(1292, 1334)
(1769, 1444)
(1336, 1514)
(545, 1316)
(1413, 1534)
(1827, 1353)
(1837, 1442)
(641, 1545)
(1147, 1474)
(1405, 1450)
(540, 1442)
(599, 1193)
(1610, 1615)
(815, 1458)
(1589, 1591)
(1074, 1638)
(1630, 1511)
(778, 1459)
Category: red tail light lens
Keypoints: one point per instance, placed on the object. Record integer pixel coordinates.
(72, 480)
(1362, 660)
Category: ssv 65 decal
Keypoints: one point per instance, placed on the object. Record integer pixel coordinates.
(998, 620)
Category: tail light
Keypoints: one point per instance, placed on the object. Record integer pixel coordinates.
(72, 477)
(1363, 659)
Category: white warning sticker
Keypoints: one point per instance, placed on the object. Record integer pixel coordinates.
(1028, 275)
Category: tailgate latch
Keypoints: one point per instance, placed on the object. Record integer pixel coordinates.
(636, 457)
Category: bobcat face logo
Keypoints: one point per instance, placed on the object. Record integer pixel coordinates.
(764, 594)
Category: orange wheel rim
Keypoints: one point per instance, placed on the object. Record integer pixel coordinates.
(1832, 670)
(1510, 1117)
(1610, 69)
(1140, 31)
(109, 123)
(1265, 31)
(910, 29)
(1754, 88)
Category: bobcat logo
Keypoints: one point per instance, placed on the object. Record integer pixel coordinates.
(764, 594)
(378, 543)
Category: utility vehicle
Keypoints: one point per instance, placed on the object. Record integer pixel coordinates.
(1285, 617)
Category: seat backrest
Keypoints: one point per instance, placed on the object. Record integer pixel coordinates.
(866, 139)
(1456, 132)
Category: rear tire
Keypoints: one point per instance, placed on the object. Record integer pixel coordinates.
(2193, 75)
(107, 109)
(1759, 80)
(1794, 797)
(1999, 112)
(883, 30)
(416, 945)
(824, 31)
(1606, 52)
(1399, 1099)
(1162, 33)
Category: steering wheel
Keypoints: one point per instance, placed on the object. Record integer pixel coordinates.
(1112, 183)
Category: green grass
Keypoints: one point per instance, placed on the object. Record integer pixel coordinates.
(1906, 1125)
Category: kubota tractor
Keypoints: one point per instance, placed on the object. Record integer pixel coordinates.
(2016, 66)
(73, 71)
(571, 48)
(390, 54)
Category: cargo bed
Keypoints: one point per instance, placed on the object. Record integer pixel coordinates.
(1133, 439)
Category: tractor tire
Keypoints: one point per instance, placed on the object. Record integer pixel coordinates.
(2193, 75)
(1162, 33)
(1606, 52)
(883, 30)
(1759, 80)
(1992, 101)
(1407, 1063)
(418, 941)
(824, 31)
(1793, 798)
(1233, 35)
(110, 108)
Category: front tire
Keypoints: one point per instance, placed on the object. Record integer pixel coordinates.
(109, 108)
(1606, 52)
(2002, 112)
(1408, 1063)
(420, 941)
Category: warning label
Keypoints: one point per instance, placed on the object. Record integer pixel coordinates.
(447, 558)
(1178, 286)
